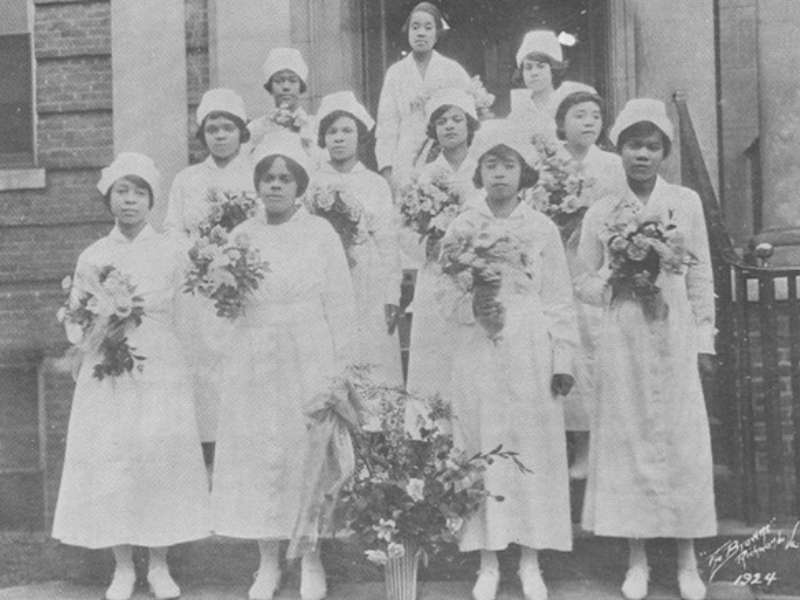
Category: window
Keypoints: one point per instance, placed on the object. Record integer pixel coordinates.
(16, 92)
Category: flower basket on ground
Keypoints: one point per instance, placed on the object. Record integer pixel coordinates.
(411, 493)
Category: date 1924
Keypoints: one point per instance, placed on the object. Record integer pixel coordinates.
(756, 578)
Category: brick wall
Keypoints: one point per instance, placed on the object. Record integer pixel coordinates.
(197, 68)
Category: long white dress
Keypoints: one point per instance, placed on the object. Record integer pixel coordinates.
(133, 469)
(429, 351)
(376, 273)
(198, 322)
(650, 472)
(604, 175)
(500, 393)
(541, 120)
(296, 335)
(400, 129)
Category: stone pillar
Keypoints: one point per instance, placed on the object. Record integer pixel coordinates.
(241, 35)
(148, 59)
(673, 48)
(779, 95)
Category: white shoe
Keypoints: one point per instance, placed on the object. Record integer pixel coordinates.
(312, 578)
(122, 585)
(690, 585)
(162, 584)
(265, 585)
(486, 585)
(533, 587)
(635, 585)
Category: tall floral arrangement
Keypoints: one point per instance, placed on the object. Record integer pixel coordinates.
(101, 310)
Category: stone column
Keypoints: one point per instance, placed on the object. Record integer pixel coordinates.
(148, 59)
(779, 95)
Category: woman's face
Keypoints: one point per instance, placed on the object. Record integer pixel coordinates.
(422, 32)
(222, 136)
(582, 124)
(537, 74)
(285, 88)
(642, 156)
(501, 176)
(451, 128)
(341, 139)
(129, 203)
(278, 189)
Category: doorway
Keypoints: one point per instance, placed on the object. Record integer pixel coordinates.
(484, 36)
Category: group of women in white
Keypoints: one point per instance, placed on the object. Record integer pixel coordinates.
(570, 358)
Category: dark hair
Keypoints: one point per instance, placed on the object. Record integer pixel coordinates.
(431, 9)
(472, 123)
(557, 69)
(331, 118)
(268, 85)
(643, 129)
(298, 172)
(135, 180)
(528, 177)
(244, 132)
(568, 102)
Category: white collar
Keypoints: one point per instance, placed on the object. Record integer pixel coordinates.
(521, 210)
(327, 167)
(145, 234)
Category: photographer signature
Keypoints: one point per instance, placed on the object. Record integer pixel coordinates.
(763, 540)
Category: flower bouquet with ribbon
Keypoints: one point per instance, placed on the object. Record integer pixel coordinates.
(226, 210)
(101, 310)
(477, 260)
(224, 272)
(558, 192)
(638, 252)
(429, 202)
(410, 495)
(293, 120)
(343, 211)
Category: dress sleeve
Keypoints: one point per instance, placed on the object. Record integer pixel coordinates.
(338, 299)
(387, 241)
(173, 221)
(559, 305)
(388, 122)
(700, 278)
(590, 280)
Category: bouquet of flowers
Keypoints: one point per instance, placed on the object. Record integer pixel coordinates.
(227, 210)
(483, 99)
(224, 272)
(342, 210)
(411, 494)
(638, 251)
(557, 193)
(294, 120)
(429, 203)
(477, 259)
(101, 309)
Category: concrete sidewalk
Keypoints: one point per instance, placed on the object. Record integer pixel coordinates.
(559, 590)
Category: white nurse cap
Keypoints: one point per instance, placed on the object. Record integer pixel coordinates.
(129, 163)
(347, 102)
(280, 59)
(451, 96)
(540, 41)
(496, 132)
(641, 110)
(283, 143)
(221, 100)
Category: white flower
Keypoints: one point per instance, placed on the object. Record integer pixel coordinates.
(386, 528)
(377, 556)
(416, 489)
(242, 240)
(396, 550)
(100, 306)
(324, 199)
(66, 283)
(454, 524)
(61, 314)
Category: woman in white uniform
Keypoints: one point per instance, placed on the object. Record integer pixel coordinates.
(579, 123)
(508, 390)
(650, 471)
(133, 469)
(222, 129)
(541, 64)
(344, 125)
(294, 339)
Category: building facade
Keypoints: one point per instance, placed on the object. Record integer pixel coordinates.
(95, 77)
